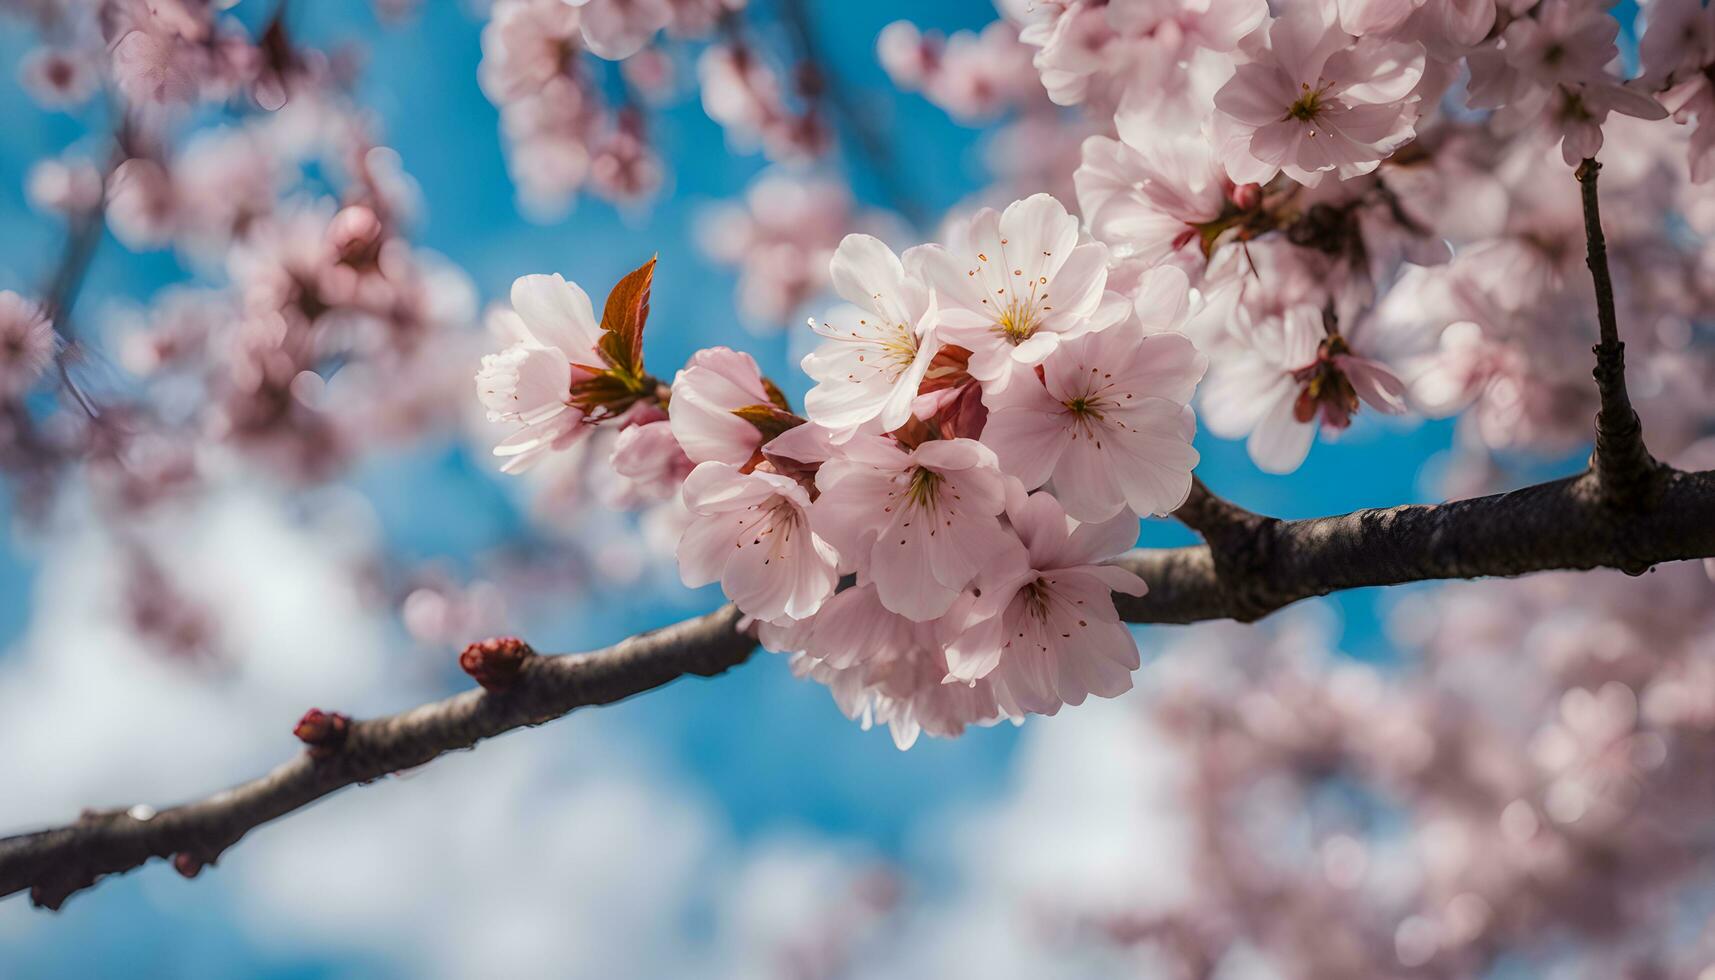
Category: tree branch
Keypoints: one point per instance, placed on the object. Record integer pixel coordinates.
(1252, 566)
(54, 864)
(1623, 466)
(1564, 525)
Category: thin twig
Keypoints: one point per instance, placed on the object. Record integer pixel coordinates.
(1622, 465)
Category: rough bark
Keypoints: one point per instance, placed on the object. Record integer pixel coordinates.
(1623, 467)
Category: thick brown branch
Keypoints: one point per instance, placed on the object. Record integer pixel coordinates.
(1566, 524)
(1260, 565)
(1622, 463)
(54, 864)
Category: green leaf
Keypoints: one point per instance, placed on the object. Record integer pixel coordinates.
(622, 322)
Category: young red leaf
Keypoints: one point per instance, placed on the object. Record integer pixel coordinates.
(622, 321)
(768, 420)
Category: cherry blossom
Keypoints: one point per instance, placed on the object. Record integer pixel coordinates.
(59, 78)
(906, 693)
(1360, 17)
(973, 76)
(26, 344)
(1290, 372)
(714, 383)
(1678, 51)
(1154, 196)
(781, 239)
(1049, 634)
(647, 454)
(876, 351)
(618, 29)
(552, 333)
(1020, 285)
(1089, 50)
(1316, 101)
(1549, 72)
(751, 532)
(919, 523)
(1109, 422)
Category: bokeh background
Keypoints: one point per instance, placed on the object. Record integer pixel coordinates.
(739, 826)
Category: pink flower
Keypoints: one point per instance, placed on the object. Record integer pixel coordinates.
(973, 76)
(1285, 371)
(781, 239)
(618, 29)
(1072, 38)
(715, 382)
(1087, 49)
(525, 43)
(26, 344)
(908, 57)
(1020, 286)
(1109, 423)
(648, 457)
(1548, 71)
(1152, 195)
(154, 71)
(142, 203)
(885, 669)
(919, 524)
(695, 18)
(552, 333)
(1360, 17)
(64, 186)
(1580, 110)
(748, 98)
(876, 351)
(1678, 51)
(58, 78)
(751, 532)
(1317, 100)
(623, 167)
(1049, 635)
(1562, 41)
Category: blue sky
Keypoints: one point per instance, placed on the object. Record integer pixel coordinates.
(765, 753)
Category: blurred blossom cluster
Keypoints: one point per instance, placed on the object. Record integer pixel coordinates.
(1526, 795)
(550, 64)
(1279, 219)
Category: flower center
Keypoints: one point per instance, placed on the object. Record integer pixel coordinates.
(898, 346)
(1018, 319)
(1307, 106)
(1083, 406)
(924, 488)
(1035, 596)
(1325, 388)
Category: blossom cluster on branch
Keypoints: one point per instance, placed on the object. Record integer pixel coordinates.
(1302, 203)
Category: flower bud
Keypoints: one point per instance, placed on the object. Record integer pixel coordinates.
(189, 865)
(495, 663)
(324, 732)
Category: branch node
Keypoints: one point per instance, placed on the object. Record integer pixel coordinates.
(322, 732)
(188, 865)
(495, 663)
(1241, 543)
